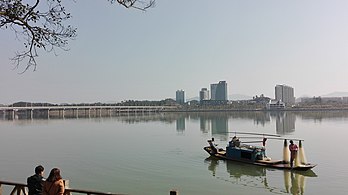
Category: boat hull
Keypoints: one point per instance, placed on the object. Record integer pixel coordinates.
(221, 154)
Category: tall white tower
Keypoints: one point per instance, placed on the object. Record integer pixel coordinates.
(285, 94)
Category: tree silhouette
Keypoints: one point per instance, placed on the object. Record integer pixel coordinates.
(40, 24)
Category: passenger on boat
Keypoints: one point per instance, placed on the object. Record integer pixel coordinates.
(212, 146)
(235, 142)
(231, 143)
(293, 152)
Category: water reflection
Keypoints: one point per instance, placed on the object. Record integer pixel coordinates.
(218, 122)
(205, 124)
(256, 176)
(180, 124)
(285, 122)
(214, 122)
(219, 125)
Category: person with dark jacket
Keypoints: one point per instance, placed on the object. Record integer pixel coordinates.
(54, 184)
(35, 182)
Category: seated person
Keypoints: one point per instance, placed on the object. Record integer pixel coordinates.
(213, 148)
(235, 142)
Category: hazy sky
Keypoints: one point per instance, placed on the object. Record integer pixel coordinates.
(123, 54)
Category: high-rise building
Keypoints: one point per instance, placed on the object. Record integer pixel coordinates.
(285, 94)
(180, 96)
(204, 94)
(219, 91)
(213, 91)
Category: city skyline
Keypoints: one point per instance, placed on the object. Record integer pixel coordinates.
(126, 54)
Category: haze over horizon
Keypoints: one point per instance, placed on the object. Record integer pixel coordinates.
(122, 54)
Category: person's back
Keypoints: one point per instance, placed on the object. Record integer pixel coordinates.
(54, 187)
(54, 184)
(35, 182)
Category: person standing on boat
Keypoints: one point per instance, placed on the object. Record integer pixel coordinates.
(293, 152)
(54, 184)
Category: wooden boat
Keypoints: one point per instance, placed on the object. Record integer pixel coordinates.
(256, 155)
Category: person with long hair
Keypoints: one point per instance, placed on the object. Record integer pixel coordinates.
(54, 184)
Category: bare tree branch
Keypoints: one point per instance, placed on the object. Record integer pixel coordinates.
(42, 25)
(40, 29)
(137, 4)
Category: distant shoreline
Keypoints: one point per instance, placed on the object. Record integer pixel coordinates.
(259, 110)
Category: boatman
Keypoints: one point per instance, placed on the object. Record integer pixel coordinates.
(212, 146)
(293, 152)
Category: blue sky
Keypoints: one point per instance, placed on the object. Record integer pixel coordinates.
(123, 54)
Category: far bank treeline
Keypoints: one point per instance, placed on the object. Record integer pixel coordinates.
(166, 102)
(257, 103)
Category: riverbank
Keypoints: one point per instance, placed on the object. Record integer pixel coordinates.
(293, 109)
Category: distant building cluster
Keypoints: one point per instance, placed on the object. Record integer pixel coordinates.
(284, 96)
(218, 94)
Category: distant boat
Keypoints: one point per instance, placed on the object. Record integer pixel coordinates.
(256, 155)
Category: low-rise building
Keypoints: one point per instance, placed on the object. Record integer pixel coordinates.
(275, 105)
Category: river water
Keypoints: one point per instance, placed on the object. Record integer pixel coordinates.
(153, 154)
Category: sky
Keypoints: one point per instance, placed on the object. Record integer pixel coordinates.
(126, 54)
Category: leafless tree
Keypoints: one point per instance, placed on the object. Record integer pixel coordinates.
(40, 24)
(142, 5)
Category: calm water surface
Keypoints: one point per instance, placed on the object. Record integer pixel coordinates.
(152, 154)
